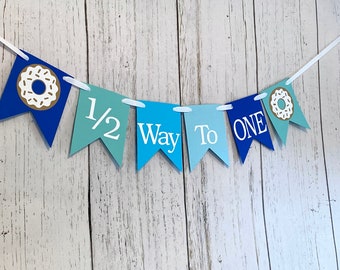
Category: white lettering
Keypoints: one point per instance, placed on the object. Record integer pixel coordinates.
(173, 142)
(211, 133)
(246, 125)
(259, 121)
(150, 133)
(160, 137)
(235, 130)
(202, 132)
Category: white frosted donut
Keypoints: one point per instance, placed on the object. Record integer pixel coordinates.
(283, 113)
(45, 100)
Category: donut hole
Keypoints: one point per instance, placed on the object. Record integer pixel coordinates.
(281, 104)
(38, 87)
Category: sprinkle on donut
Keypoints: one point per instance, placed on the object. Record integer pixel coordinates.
(36, 101)
(286, 111)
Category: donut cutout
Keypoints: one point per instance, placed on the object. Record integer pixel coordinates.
(33, 97)
(281, 104)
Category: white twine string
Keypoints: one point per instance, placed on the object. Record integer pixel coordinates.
(182, 109)
(313, 61)
(26, 57)
(226, 107)
(76, 83)
(133, 102)
(260, 96)
(14, 49)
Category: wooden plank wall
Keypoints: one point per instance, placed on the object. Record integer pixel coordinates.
(279, 210)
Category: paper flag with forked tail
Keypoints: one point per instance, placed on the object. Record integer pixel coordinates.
(205, 129)
(282, 107)
(101, 114)
(248, 123)
(37, 87)
(158, 128)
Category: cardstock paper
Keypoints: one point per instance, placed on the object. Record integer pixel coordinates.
(158, 128)
(37, 87)
(205, 129)
(248, 122)
(101, 114)
(282, 107)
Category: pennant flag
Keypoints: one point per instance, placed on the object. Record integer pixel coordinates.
(282, 106)
(101, 114)
(248, 122)
(37, 87)
(158, 127)
(205, 129)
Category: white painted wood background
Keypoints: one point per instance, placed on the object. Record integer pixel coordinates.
(279, 210)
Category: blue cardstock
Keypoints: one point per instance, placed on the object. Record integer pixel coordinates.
(248, 123)
(37, 87)
(205, 129)
(158, 127)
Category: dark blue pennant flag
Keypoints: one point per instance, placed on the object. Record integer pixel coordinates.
(158, 127)
(37, 87)
(248, 122)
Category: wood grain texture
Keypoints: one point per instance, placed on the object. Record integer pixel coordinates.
(295, 186)
(138, 218)
(278, 210)
(224, 205)
(43, 193)
(329, 79)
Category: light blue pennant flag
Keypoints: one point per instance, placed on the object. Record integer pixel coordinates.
(248, 122)
(101, 114)
(37, 87)
(158, 128)
(282, 107)
(205, 129)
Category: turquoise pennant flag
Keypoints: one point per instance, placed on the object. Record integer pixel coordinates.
(282, 107)
(205, 129)
(101, 114)
(158, 128)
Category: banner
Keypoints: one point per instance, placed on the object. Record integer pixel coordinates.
(282, 107)
(158, 128)
(205, 129)
(101, 114)
(248, 123)
(37, 87)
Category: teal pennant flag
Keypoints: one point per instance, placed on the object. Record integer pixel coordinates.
(206, 129)
(158, 128)
(282, 107)
(101, 114)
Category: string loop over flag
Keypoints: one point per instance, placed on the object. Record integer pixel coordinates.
(76, 83)
(134, 103)
(14, 49)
